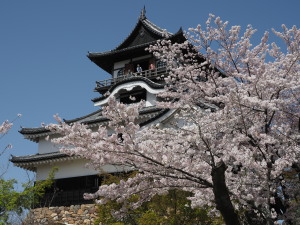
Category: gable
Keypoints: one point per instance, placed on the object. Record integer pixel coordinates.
(143, 36)
(142, 33)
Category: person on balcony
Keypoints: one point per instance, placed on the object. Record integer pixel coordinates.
(151, 66)
(139, 68)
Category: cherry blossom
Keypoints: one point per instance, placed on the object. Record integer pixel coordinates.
(236, 126)
(5, 126)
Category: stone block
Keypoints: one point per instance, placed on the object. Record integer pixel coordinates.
(87, 221)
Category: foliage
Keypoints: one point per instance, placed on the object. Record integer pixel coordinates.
(12, 201)
(17, 202)
(168, 209)
(235, 126)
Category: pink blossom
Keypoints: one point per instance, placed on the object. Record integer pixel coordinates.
(234, 109)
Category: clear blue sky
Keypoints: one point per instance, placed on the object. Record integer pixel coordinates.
(43, 45)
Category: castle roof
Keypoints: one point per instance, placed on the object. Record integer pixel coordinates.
(30, 162)
(144, 34)
(93, 119)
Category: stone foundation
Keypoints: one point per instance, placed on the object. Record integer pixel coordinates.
(75, 214)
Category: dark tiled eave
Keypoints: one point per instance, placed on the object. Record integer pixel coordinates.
(162, 112)
(83, 117)
(92, 55)
(143, 21)
(143, 46)
(39, 130)
(102, 119)
(99, 119)
(37, 157)
(30, 161)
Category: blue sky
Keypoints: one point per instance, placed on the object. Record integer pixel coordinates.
(43, 45)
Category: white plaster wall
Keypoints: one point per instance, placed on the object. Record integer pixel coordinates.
(121, 64)
(150, 99)
(46, 146)
(74, 168)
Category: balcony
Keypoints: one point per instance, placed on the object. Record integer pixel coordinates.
(154, 74)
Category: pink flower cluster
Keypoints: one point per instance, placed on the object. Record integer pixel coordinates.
(5, 126)
(237, 106)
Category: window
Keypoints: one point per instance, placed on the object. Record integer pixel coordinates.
(139, 95)
(161, 64)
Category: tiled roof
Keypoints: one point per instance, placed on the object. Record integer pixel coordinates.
(30, 162)
(134, 44)
(97, 116)
(88, 118)
(37, 157)
(151, 27)
(117, 50)
(92, 120)
(34, 130)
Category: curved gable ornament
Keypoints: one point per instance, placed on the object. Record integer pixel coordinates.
(128, 87)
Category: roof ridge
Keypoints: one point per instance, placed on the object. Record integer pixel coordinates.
(154, 27)
(151, 26)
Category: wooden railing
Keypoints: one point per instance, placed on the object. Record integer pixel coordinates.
(146, 73)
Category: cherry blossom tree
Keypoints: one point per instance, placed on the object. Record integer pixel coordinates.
(235, 130)
(4, 128)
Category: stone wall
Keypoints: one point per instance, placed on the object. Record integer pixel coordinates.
(75, 214)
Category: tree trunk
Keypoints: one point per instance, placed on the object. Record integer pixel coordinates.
(222, 198)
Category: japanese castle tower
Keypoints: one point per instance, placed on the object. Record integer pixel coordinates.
(134, 72)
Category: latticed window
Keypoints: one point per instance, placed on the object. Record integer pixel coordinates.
(161, 64)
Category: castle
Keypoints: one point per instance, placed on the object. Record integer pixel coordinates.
(134, 72)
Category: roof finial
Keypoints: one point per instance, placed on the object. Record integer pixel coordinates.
(143, 13)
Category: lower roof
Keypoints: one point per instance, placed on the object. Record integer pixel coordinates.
(93, 119)
(30, 162)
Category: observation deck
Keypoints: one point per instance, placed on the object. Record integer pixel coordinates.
(155, 74)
